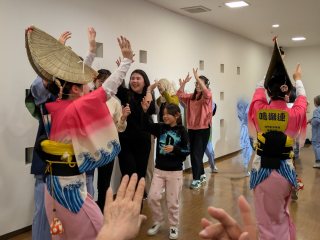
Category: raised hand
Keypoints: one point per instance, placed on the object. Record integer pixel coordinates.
(185, 81)
(195, 73)
(297, 73)
(145, 103)
(125, 47)
(64, 37)
(122, 218)
(92, 39)
(153, 86)
(160, 88)
(126, 111)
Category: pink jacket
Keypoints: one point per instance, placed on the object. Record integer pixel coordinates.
(199, 112)
(297, 114)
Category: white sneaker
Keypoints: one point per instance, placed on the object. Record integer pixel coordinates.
(173, 233)
(196, 184)
(215, 169)
(316, 165)
(203, 179)
(154, 229)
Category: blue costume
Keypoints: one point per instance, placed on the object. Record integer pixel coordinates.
(242, 109)
(315, 123)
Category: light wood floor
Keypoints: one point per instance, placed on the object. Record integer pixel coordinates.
(224, 188)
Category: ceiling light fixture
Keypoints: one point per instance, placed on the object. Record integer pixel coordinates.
(275, 25)
(237, 4)
(298, 38)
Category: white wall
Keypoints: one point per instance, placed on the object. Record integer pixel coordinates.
(174, 43)
(309, 58)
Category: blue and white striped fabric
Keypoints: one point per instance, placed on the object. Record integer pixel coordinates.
(286, 170)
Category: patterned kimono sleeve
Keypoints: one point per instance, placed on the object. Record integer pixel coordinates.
(93, 133)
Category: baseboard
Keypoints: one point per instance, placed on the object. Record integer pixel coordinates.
(15, 233)
(218, 159)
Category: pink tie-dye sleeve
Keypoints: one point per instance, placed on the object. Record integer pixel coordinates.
(259, 101)
(93, 133)
(298, 119)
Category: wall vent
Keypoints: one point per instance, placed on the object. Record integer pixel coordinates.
(196, 9)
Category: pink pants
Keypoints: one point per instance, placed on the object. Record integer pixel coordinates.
(171, 181)
(84, 225)
(271, 199)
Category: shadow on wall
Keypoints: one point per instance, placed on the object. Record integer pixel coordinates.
(221, 142)
(186, 163)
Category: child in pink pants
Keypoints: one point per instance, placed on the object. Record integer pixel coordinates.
(172, 150)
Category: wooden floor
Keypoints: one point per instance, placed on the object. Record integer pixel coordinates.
(224, 188)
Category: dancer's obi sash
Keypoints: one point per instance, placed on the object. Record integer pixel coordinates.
(65, 184)
(273, 145)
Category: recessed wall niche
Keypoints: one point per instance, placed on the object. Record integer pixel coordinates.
(238, 70)
(221, 123)
(99, 50)
(28, 155)
(201, 64)
(143, 56)
(28, 91)
(221, 96)
(222, 68)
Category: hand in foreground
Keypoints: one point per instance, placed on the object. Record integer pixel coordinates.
(64, 37)
(184, 81)
(228, 228)
(125, 47)
(297, 73)
(122, 218)
(92, 39)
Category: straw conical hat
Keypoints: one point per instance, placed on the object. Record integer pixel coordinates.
(277, 68)
(49, 58)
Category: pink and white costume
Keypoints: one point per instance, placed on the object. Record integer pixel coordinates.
(272, 187)
(85, 123)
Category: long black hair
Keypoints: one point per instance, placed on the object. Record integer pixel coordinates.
(174, 110)
(278, 79)
(103, 74)
(146, 82)
(145, 79)
(293, 95)
(206, 82)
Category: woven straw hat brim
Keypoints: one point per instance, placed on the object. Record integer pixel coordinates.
(41, 73)
(50, 58)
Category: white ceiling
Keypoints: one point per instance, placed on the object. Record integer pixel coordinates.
(296, 18)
